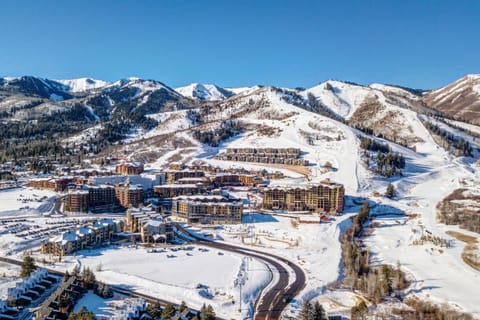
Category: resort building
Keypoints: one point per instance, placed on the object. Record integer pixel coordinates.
(77, 201)
(128, 168)
(208, 209)
(174, 190)
(129, 195)
(153, 228)
(89, 236)
(286, 156)
(172, 176)
(325, 197)
(54, 184)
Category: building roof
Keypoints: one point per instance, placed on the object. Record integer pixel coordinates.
(176, 185)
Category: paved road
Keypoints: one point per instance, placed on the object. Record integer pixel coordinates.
(276, 299)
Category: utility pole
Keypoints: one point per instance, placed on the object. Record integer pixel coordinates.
(240, 282)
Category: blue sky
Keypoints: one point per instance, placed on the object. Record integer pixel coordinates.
(420, 44)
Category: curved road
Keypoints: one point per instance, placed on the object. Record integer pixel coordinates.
(276, 299)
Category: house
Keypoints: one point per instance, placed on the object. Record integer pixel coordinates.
(127, 309)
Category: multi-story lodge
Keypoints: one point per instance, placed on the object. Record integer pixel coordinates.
(208, 209)
(325, 197)
(174, 190)
(129, 195)
(128, 168)
(101, 196)
(286, 156)
(54, 184)
(104, 197)
(151, 226)
(171, 176)
(77, 201)
(81, 238)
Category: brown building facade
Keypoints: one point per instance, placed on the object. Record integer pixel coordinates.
(208, 209)
(325, 197)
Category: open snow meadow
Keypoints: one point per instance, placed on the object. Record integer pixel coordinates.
(188, 273)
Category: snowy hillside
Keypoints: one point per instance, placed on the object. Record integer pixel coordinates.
(460, 99)
(83, 84)
(205, 92)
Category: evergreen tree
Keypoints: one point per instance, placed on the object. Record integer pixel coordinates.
(182, 306)
(318, 312)
(207, 313)
(88, 277)
(359, 311)
(28, 266)
(168, 312)
(390, 191)
(82, 314)
(76, 271)
(153, 310)
(307, 312)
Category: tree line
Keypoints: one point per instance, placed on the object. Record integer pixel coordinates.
(375, 282)
(454, 144)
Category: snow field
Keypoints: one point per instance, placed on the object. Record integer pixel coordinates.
(195, 274)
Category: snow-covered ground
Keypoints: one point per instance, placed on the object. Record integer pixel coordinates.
(315, 247)
(195, 274)
(25, 201)
(9, 276)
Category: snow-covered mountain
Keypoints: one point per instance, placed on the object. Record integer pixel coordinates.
(147, 120)
(83, 84)
(204, 92)
(385, 110)
(459, 99)
(243, 90)
(34, 87)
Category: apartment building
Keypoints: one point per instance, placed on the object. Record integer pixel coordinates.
(171, 176)
(208, 209)
(129, 195)
(88, 236)
(54, 184)
(153, 228)
(174, 190)
(128, 168)
(286, 156)
(325, 197)
(77, 201)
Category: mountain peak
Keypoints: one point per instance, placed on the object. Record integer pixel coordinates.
(204, 92)
(82, 84)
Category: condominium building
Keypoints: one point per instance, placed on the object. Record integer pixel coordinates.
(54, 184)
(174, 190)
(208, 209)
(102, 195)
(80, 238)
(286, 156)
(171, 176)
(127, 168)
(325, 197)
(129, 195)
(77, 201)
(152, 227)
